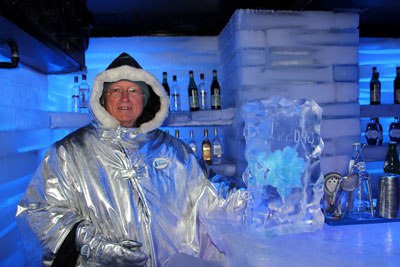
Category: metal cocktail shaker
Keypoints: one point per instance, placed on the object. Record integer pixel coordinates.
(388, 201)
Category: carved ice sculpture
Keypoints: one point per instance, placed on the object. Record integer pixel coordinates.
(283, 147)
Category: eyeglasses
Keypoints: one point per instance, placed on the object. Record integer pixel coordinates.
(118, 92)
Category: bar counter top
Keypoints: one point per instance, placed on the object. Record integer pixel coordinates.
(376, 244)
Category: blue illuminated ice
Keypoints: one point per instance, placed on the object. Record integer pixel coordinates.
(284, 178)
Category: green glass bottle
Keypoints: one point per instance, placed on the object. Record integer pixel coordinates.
(392, 164)
(375, 88)
(192, 93)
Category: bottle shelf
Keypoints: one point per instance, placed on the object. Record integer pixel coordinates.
(68, 120)
(200, 118)
(379, 111)
(71, 120)
(376, 153)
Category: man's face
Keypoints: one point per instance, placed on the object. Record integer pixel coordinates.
(124, 101)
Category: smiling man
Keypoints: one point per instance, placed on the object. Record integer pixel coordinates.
(119, 191)
(125, 100)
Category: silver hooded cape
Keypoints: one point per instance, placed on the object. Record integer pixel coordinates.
(131, 183)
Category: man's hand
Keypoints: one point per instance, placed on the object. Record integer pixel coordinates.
(95, 246)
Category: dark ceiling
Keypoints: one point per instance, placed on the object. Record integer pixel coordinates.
(52, 35)
(378, 18)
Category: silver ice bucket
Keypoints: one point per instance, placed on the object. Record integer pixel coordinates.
(388, 201)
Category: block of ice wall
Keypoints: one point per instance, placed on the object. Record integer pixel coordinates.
(295, 54)
(284, 178)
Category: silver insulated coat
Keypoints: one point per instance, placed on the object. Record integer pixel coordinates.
(131, 183)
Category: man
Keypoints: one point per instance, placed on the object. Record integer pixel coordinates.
(120, 192)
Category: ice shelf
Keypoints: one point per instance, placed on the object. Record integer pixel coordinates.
(200, 118)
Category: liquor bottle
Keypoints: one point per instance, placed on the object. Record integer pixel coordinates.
(84, 92)
(192, 142)
(203, 93)
(372, 132)
(177, 133)
(394, 130)
(215, 92)
(192, 93)
(375, 88)
(392, 164)
(206, 148)
(380, 140)
(176, 99)
(396, 85)
(217, 148)
(360, 205)
(165, 83)
(75, 96)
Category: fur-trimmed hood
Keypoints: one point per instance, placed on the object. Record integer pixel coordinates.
(154, 112)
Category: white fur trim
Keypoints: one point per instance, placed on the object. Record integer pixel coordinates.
(134, 74)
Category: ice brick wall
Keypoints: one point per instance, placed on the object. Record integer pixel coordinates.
(296, 55)
(25, 134)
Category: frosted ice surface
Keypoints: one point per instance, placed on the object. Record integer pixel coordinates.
(340, 127)
(308, 74)
(311, 19)
(346, 92)
(341, 109)
(287, 37)
(283, 147)
(252, 57)
(345, 73)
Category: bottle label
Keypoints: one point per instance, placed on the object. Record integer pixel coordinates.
(397, 96)
(207, 153)
(395, 133)
(372, 134)
(216, 100)
(175, 104)
(75, 103)
(375, 93)
(194, 100)
(217, 149)
(203, 97)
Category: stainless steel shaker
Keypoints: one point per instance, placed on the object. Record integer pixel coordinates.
(388, 201)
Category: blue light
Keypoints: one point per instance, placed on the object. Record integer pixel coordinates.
(383, 54)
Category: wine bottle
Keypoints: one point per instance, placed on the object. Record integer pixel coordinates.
(165, 83)
(372, 132)
(396, 85)
(380, 139)
(75, 95)
(203, 93)
(192, 93)
(192, 142)
(394, 130)
(215, 92)
(217, 148)
(206, 148)
(176, 91)
(375, 88)
(392, 164)
(84, 92)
